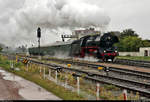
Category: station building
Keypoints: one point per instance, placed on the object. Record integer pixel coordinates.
(78, 33)
(82, 32)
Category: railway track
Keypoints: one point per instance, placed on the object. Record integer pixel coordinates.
(142, 88)
(137, 63)
(122, 71)
(125, 83)
(113, 71)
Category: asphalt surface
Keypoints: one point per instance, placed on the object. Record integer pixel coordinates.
(13, 87)
(9, 90)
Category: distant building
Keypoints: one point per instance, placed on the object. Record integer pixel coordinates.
(84, 32)
(144, 51)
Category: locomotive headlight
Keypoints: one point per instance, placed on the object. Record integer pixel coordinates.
(104, 51)
(116, 51)
(95, 51)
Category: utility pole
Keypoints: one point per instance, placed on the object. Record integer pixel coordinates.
(39, 36)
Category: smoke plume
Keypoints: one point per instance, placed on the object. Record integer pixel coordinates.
(20, 19)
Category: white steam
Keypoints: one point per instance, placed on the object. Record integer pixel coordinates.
(61, 13)
(21, 21)
(88, 58)
(62, 55)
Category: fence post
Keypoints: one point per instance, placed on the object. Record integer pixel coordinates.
(10, 63)
(27, 66)
(56, 76)
(125, 94)
(30, 66)
(49, 73)
(44, 72)
(40, 71)
(78, 85)
(66, 81)
(97, 91)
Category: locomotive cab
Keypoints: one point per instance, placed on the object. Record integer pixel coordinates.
(89, 45)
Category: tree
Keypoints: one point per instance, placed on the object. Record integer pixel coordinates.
(145, 43)
(1, 49)
(128, 32)
(129, 44)
(129, 41)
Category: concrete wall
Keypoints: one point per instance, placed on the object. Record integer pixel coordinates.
(142, 52)
(129, 53)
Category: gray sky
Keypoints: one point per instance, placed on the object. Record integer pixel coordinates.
(19, 19)
(125, 14)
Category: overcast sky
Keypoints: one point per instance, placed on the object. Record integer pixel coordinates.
(19, 19)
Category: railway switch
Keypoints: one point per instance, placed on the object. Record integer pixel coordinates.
(25, 61)
(59, 69)
(106, 69)
(100, 68)
(90, 74)
(69, 65)
(73, 74)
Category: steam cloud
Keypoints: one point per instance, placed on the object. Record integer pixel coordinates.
(20, 19)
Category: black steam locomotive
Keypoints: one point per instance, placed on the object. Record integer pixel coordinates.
(101, 47)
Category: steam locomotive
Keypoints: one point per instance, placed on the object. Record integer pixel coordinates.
(101, 47)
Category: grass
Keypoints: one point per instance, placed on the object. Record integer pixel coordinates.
(111, 87)
(36, 78)
(143, 58)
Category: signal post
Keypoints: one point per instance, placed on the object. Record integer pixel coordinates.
(39, 36)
